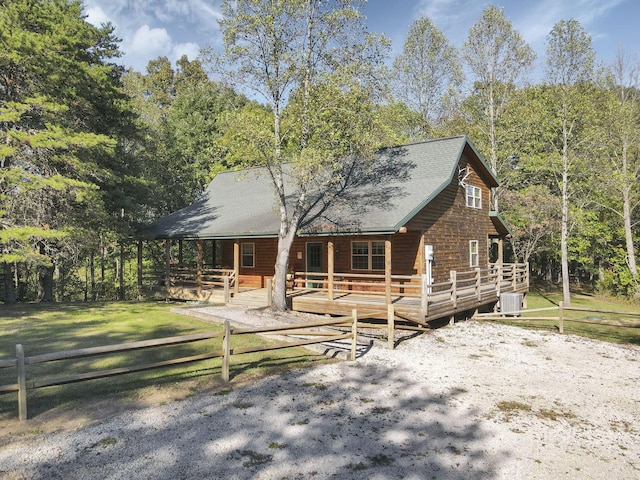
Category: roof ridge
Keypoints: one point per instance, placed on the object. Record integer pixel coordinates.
(422, 142)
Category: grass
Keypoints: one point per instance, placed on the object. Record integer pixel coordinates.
(57, 327)
(616, 334)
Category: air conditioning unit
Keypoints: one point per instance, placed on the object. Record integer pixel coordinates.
(511, 304)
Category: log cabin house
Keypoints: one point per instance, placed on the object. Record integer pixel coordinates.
(416, 233)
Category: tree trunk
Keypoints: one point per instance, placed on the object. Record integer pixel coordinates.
(282, 264)
(9, 287)
(628, 231)
(92, 275)
(45, 280)
(121, 274)
(45, 283)
(564, 243)
(102, 268)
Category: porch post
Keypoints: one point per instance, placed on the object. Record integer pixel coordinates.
(180, 254)
(199, 265)
(139, 269)
(422, 261)
(387, 270)
(236, 266)
(330, 268)
(167, 266)
(500, 259)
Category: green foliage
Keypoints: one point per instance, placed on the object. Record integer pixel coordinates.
(62, 117)
(427, 72)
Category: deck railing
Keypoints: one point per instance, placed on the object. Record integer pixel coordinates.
(188, 275)
(471, 286)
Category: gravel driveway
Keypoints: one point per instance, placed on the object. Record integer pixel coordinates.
(475, 400)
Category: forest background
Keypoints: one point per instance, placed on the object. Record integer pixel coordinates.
(91, 152)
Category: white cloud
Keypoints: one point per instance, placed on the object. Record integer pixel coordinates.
(152, 28)
(191, 50)
(150, 42)
(96, 16)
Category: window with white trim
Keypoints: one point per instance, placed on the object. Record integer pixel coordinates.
(473, 253)
(474, 197)
(248, 253)
(367, 255)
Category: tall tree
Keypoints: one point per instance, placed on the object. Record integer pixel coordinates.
(60, 111)
(428, 72)
(569, 68)
(313, 62)
(618, 135)
(499, 58)
(179, 113)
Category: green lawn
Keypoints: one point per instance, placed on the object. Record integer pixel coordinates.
(57, 327)
(618, 334)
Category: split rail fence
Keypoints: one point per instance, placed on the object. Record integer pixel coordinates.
(21, 362)
(561, 317)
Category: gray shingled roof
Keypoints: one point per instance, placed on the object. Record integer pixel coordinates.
(243, 204)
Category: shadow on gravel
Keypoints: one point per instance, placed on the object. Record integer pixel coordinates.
(375, 422)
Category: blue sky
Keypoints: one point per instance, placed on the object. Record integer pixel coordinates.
(151, 28)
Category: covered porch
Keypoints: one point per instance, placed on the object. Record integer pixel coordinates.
(416, 298)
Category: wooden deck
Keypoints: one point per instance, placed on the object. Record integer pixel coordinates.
(407, 308)
(414, 300)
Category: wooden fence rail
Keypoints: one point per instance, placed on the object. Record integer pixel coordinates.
(21, 362)
(561, 318)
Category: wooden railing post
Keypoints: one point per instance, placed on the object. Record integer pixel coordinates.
(330, 268)
(526, 274)
(227, 292)
(199, 265)
(391, 326)
(22, 383)
(236, 267)
(226, 351)
(478, 285)
(387, 271)
(354, 334)
(498, 280)
(424, 299)
(167, 259)
(561, 316)
(269, 292)
(514, 277)
(454, 288)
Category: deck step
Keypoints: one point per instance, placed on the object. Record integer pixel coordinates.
(251, 298)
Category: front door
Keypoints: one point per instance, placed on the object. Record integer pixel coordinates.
(314, 262)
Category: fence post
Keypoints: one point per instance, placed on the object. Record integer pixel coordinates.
(354, 333)
(226, 351)
(227, 292)
(561, 316)
(22, 383)
(454, 286)
(269, 292)
(391, 326)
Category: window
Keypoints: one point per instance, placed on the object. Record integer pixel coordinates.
(473, 253)
(474, 197)
(367, 255)
(248, 255)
